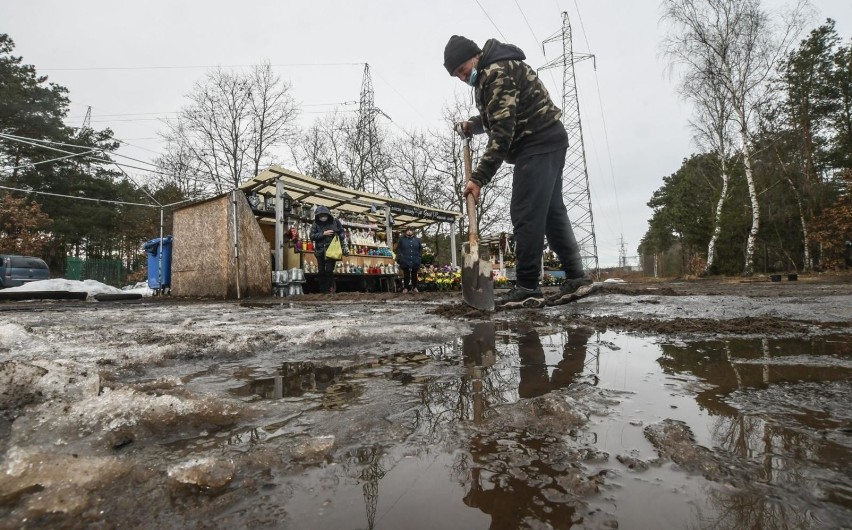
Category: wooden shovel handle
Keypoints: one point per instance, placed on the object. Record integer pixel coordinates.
(473, 230)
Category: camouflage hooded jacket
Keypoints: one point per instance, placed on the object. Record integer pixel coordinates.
(515, 108)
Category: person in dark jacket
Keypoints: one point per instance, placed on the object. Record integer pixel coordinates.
(323, 230)
(524, 129)
(408, 255)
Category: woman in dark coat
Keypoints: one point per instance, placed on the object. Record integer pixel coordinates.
(323, 230)
(408, 253)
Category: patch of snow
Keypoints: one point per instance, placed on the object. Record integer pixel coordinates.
(92, 287)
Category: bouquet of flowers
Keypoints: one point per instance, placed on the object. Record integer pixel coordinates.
(500, 281)
(446, 278)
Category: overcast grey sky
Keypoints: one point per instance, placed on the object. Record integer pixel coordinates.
(133, 63)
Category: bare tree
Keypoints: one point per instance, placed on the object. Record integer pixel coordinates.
(321, 151)
(273, 112)
(231, 124)
(412, 175)
(182, 170)
(735, 43)
(367, 154)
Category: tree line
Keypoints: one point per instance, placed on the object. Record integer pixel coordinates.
(769, 189)
(44, 161)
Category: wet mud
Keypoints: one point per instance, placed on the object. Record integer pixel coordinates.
(689, 404)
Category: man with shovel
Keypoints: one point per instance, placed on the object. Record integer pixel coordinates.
(524, 128)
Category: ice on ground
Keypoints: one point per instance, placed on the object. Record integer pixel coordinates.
(69, 478)
(207, 472)
(92, 287)
(26, 382)
(117, 417)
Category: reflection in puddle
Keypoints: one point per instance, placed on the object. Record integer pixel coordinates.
(336, 384)
(292, 380)
(773, 415)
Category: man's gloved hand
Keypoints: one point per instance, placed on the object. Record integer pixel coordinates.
(464, 128)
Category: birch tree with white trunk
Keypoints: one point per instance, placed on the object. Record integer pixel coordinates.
(713, 133)
(738, 43)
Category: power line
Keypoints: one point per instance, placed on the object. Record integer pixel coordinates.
(33, 141)
(189, 67)
(34, 192)
(492, 21)
(400, 95)
(163, 113)
(603, 122)
(144, 190)
(535, 39)
(33, 164)
(39, 142)
(125, 142)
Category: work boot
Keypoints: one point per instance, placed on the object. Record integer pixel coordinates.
(404, 291)
(415, 290)
(520, 297)
(572, 289)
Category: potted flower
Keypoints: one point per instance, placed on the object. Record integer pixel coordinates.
(428, 257)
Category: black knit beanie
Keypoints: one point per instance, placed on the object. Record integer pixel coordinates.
(458, 50)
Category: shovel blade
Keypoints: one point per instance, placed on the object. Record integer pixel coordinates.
(477, 284)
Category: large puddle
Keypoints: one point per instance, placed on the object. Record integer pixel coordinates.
(769, 419)
(508, 427)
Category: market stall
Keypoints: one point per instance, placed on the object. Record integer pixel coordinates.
(502, 251)
(283, 202)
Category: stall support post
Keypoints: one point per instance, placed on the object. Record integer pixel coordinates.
(236, 238)
(160, 258)
(388, 228)
(453, 244)
(279, 225)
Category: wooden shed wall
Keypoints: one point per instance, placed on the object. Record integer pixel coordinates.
(255, 265)
(203, 262)
(199, 249)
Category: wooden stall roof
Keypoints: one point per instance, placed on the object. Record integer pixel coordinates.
(303, 188)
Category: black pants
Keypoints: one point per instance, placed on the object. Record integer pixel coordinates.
(537, 210)
(325, 273)
(409, 277)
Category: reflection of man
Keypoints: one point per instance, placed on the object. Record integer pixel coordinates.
(573, 357)
(535, 377)
(507, 488)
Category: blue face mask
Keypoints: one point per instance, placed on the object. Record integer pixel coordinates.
(474, 75)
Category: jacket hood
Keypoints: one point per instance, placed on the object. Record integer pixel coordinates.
(495, 50)
(320, 211)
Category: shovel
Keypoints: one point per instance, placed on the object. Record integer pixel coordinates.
(477, 284)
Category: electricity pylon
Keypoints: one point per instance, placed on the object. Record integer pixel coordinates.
(367, 142)
(575, 175)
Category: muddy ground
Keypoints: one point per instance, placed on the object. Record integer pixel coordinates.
(712, 403)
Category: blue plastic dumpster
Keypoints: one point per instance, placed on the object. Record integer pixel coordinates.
(152, 248)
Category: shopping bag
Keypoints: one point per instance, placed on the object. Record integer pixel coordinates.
(334, 250)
